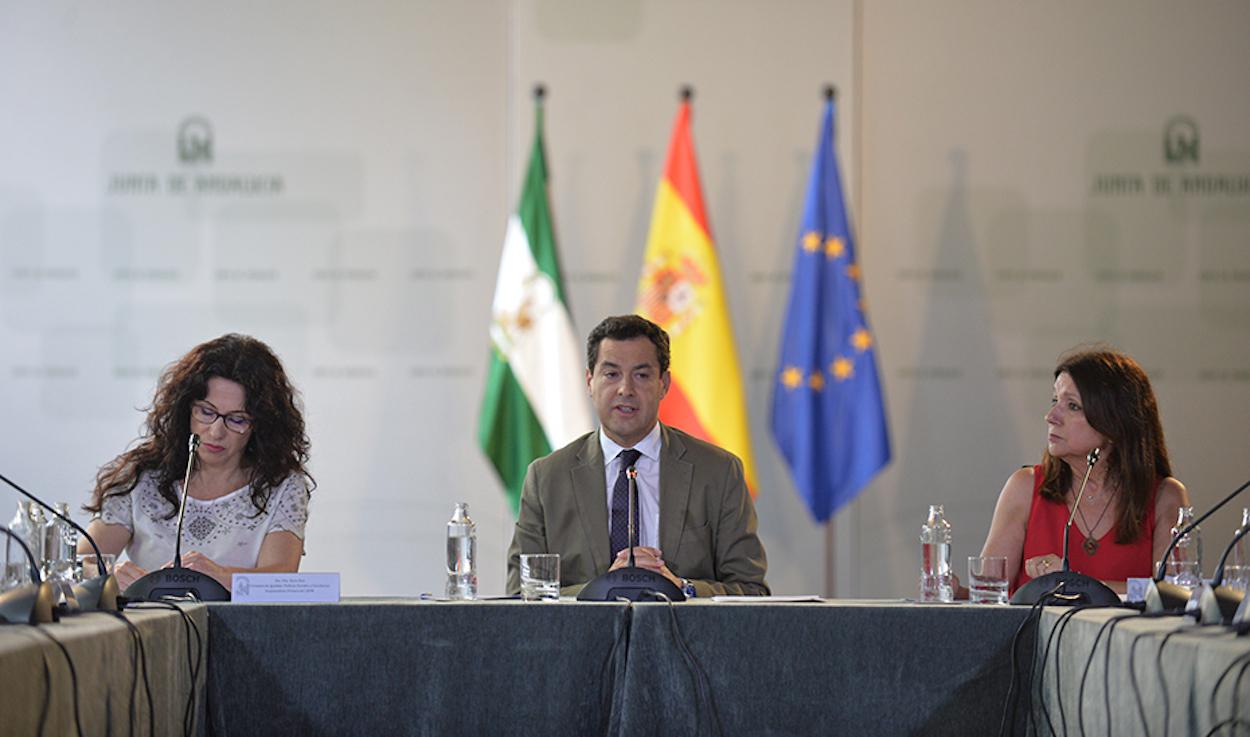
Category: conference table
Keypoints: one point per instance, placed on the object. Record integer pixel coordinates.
(109, 674)
(1115, 672)
(505, 667)
(514, 668)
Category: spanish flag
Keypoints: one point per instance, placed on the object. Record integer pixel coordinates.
(681, 291)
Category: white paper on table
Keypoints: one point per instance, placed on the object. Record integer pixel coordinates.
(768, 599)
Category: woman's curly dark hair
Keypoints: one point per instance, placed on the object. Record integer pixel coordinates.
(276, 449)
(1120, 404)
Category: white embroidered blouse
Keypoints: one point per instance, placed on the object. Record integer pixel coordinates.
(227, 529)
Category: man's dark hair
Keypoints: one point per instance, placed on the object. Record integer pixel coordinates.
(627, 327)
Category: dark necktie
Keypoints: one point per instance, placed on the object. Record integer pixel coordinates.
(619, 530)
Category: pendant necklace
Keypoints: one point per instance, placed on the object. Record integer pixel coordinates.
(1091, 544)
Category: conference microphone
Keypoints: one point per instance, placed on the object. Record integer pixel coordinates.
(1070, 587)
(1223, 603)
(32, 603)
(178, 582)
(630, 582)
(1164, 596)
(99, 592)
(1228, 599)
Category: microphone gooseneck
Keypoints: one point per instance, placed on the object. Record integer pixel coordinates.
(1090, 460)
(632, 474)
(193, 445)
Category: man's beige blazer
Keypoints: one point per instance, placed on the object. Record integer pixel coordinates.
(707, 519)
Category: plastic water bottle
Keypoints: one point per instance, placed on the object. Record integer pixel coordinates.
(17, 567)
(1241, 551)
(59, 543)
(935, 557)
(461, 554)
(1186, 564)
(35, 541)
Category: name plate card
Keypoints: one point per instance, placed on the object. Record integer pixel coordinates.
(287, 588)
(1136, 589)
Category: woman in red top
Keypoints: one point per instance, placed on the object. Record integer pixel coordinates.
(1102, 399)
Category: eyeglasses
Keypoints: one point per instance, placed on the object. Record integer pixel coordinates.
(235, 421)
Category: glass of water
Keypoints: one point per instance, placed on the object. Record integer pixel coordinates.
(86, 568)
(1185, 573)
(1237, 576)
(540, 577)
(987, 579)
(16, 571)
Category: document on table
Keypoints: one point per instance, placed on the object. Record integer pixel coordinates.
(768, 599)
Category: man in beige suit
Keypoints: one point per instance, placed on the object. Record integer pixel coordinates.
(695, 520)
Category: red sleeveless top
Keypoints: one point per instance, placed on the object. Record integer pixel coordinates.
(1112, 561)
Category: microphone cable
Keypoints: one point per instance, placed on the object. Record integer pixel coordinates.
(1200, 630)
(703, 686)
(47, 692)
(194, 661)
(139, 658)
(1061, 626)
(73, 677)
(1231, 721)
(1132, 675)
(1132, 671)
(1163, 684)
(1009, 704)
(1056, 629)
(1056, 638)
(607, 674)
(1107, 627)
(1244, 661)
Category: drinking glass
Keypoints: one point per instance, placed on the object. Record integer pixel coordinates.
(987, 579)
(540, 577)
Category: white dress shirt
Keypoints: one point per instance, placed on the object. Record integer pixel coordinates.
(648, 467)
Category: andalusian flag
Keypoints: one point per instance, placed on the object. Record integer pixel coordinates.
(681, 291)
(536, 385)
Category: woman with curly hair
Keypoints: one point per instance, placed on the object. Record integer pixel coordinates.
(1101, 399)
(247, 500)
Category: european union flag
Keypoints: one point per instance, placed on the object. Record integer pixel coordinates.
(828, 417)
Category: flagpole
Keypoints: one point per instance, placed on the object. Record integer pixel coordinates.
(831, 552)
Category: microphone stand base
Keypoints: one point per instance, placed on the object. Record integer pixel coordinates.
(635, 584)
(1077, 588)
(99, 593)
(1165, 596)
(29, 604)
(178, 583)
